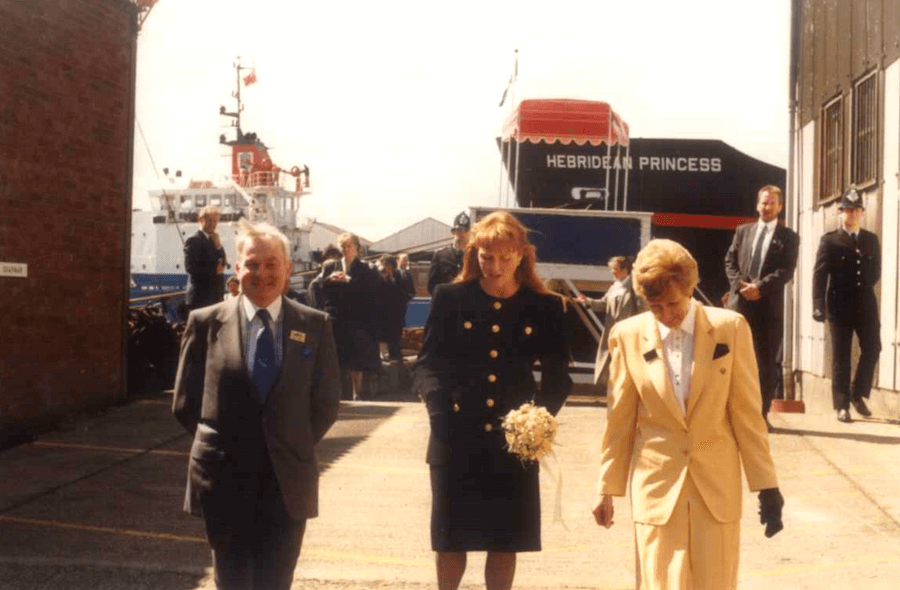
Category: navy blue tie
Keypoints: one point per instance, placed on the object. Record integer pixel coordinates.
(265, 367)
(756, 262)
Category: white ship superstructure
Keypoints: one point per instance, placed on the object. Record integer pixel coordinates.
(256, 190)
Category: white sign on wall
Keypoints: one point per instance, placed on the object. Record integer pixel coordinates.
(13, 269)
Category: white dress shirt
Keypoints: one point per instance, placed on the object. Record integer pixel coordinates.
(678, 349)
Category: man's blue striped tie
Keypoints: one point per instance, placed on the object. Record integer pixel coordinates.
(265, 367)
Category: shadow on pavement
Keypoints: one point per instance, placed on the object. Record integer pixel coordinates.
(866, 438)
(97, 503)
(367, 410)
(586, 401)
(356, 421)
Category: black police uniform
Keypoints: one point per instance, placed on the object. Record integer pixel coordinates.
(476, 365)
(844, 278)
(448, 262)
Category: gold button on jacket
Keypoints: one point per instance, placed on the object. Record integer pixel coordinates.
(477, 364)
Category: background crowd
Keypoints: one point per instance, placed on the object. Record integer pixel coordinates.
(367, 302)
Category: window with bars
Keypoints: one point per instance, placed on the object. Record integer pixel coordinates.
(832, 169)
(865, 129)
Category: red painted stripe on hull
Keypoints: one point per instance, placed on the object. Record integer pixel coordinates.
(700, 221)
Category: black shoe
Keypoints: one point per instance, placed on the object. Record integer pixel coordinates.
(860, 406)
(843, 416)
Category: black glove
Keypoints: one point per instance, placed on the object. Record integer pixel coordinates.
(818, 315)
(770, 504)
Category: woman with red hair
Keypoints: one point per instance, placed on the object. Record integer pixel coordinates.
(482, 338)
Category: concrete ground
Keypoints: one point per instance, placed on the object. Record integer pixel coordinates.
(97, 505)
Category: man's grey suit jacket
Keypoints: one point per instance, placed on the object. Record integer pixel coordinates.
(776, 270)
(216, 400)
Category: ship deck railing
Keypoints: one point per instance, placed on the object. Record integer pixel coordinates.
(145, 299)
(269, 180)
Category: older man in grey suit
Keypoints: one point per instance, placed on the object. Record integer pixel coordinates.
(619, 302)
(258, 387)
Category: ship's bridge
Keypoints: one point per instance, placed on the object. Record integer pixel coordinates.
(260, 194)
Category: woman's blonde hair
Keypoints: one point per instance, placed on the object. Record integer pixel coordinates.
(497, 231)
(662, 263)
(349, 237)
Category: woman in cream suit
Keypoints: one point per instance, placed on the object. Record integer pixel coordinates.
(684, 403)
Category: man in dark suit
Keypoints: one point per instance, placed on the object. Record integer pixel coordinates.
(258, 387)
(396, 290)
(406, 275)
(848, 265)
(204, 261)
(760, 261)
(448, 261)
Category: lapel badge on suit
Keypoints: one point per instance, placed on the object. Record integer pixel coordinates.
(298, 336)
(720, 351)
(650, 355)
(306, 352)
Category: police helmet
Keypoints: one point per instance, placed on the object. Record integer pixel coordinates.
(851, 200)
(461, 222)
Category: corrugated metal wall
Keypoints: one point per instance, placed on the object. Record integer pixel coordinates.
(840, 42)
(843, 39)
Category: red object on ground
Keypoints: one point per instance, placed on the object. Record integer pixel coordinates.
(793, 406)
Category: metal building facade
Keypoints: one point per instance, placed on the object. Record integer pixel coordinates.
(845, 131)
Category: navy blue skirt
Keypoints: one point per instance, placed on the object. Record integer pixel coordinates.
(485, 500)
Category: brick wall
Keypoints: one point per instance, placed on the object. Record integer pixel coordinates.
(66, 121)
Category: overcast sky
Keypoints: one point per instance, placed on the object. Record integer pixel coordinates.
(394, 105)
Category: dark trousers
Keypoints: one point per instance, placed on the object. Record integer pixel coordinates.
(254, 546)
(394, 350)
(868, 332)
(768, 333)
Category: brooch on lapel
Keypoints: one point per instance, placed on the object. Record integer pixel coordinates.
(650, 355)
(721, 350)
(298, 336)
(305, 352)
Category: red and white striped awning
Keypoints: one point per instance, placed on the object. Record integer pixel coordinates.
(565, 121)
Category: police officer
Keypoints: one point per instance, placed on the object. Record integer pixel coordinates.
(848, 265)
(447, 262)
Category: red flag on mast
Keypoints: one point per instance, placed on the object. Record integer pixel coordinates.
(250, 78)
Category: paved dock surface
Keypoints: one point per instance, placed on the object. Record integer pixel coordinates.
(96, 505)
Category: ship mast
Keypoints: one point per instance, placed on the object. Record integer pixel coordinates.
(236, 115)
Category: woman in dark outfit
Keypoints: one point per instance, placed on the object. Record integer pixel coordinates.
(481, 340)
(348, 286)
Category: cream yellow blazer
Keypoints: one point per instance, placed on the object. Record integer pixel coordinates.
(723, 428)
